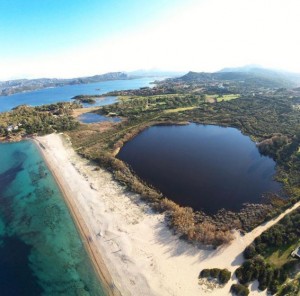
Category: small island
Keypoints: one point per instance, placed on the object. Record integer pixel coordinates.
(87, 99)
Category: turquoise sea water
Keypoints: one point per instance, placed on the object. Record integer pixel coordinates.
(41, 252)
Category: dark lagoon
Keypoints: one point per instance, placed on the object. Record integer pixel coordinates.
(41, 252)
(94, 118)
(205, 167)
(65, 93)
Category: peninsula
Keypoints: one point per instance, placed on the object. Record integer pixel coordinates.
(25, 85)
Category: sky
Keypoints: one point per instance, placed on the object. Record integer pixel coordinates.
(71, 38)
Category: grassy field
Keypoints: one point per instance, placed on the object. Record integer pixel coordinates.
(281, 256)
(123, 99)
(79, 111)
(180, 109)
(227, 98)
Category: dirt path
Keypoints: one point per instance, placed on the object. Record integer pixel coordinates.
(231, 256)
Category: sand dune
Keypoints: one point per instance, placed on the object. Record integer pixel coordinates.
(132, 248)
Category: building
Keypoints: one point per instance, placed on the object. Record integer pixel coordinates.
(296, 253)
(10, 128)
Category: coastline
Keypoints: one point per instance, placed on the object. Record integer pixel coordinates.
(139, 254)
(94, 255)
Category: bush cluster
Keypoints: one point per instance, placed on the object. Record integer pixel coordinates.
(222, 275)
(239, 290)
(290, 289)
(38, 120)
(285, 233)
(182, 219)
(257, 269)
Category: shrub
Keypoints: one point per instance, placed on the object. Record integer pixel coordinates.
(222, 275)
(265, 278)
(214, 272)
(290, 289)
(245, 273)
(239, 290)
(250, 252)
(268, 277)
(205, 273)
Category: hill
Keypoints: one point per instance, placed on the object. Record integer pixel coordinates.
(249, 76)
(21, 85)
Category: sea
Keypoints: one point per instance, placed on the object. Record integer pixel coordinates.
(67, 92)
(41, 251)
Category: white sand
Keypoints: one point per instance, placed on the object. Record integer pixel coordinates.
(142, 255)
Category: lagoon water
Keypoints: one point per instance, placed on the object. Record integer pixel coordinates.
(41, 252)
(94, 117)
(205, 167)
(65, 93)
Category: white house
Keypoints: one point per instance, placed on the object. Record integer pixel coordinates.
(10, 128)
(296, 252)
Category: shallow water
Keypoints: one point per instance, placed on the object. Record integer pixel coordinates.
(41, 252)
(94, 118)
(205, 167)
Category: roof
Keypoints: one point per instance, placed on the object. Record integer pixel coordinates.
(296, 252)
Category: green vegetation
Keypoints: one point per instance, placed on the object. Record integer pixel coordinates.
(24, 120)
(269, 257)
(135, 107)
(269, 119)
(239, 290)
(221, 275)
(223, 98)
(281, 256)
(253, 104)
(268, 115)
(268, 277)
(282, 235)
(88, 99)
(291, 288)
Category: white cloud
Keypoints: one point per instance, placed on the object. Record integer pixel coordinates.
(205, 36)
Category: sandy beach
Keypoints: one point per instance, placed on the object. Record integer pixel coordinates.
(131, 247)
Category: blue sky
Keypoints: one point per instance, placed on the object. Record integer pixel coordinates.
(64, 38)
(31, 27)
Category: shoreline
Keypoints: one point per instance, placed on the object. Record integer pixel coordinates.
(94, 255)
(141, 254)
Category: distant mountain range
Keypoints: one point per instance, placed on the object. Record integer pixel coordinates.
(22, 85)
(155, 73)
(266, 73)
(25, 85)
(249, 75)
